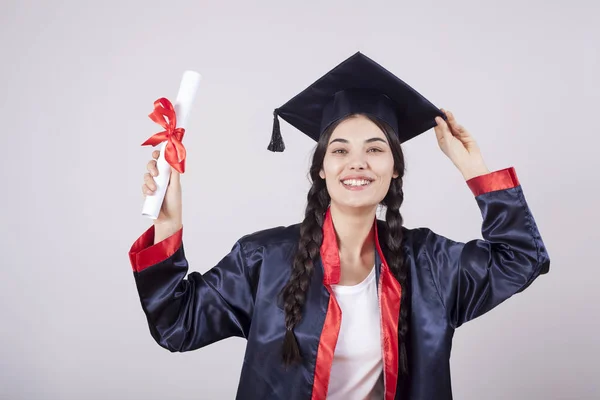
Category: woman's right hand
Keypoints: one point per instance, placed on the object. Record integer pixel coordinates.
(169, 218)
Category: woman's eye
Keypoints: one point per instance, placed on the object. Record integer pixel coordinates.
(372, 149)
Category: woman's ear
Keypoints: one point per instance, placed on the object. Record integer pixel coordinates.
(395, 175)
(322, 174)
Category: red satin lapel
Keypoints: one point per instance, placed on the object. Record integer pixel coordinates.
(333, 320)
(390, 295)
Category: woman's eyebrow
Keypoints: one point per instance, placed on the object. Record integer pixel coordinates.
(374, 139)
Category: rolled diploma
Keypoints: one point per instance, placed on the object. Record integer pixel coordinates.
(185, 99)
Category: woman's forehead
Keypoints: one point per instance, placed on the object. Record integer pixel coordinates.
(357, 128)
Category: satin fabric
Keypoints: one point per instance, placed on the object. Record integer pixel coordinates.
(164, 115)
(450, 284)
(389, 293)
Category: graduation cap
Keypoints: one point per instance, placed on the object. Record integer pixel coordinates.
(357, 85)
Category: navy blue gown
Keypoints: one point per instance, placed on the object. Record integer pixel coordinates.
(450, 284)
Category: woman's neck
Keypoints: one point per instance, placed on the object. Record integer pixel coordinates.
(354, 232)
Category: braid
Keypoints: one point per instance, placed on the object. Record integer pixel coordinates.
(309, 247)
(393, 241)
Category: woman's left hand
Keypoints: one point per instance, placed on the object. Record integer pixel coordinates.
(460, 147)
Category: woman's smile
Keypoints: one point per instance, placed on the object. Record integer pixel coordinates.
(356, 184)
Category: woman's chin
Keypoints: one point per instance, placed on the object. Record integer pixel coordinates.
(355, 204)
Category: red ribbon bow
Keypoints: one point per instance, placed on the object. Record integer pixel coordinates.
(174, 150)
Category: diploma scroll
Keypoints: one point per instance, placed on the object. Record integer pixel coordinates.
(185, 99)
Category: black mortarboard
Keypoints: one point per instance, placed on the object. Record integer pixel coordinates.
(357, 85)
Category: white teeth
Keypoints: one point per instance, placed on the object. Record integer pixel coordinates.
(356, 182)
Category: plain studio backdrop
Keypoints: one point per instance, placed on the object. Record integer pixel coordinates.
(79, 79)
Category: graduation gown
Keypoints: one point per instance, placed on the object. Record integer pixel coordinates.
(450, 284)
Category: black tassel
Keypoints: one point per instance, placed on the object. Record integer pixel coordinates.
(291, 352)
(276, 139)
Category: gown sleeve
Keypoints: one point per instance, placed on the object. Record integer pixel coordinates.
(474, 277)
(188, 313)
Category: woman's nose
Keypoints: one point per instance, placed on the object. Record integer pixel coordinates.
(358, 162)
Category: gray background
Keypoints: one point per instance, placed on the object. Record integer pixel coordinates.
(78, 81)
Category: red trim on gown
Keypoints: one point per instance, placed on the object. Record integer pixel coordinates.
(144, 253)
(389, 300)
(497, 180)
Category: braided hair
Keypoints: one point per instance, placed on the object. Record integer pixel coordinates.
(311, 238)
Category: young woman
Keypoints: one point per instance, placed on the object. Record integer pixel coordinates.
(343, 305)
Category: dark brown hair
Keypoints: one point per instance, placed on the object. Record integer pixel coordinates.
(311, 238)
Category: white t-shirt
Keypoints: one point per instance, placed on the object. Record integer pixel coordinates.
(357, 369)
